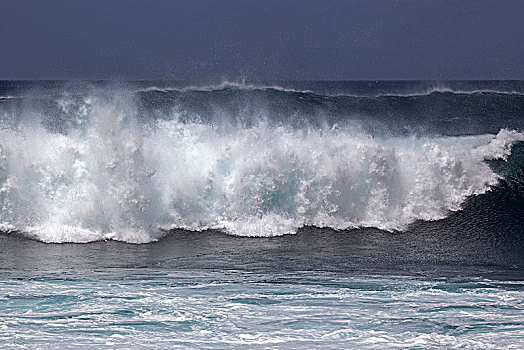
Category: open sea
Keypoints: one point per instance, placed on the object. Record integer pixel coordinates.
(290, 215)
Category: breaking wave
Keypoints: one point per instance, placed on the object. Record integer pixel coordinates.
(108, 174)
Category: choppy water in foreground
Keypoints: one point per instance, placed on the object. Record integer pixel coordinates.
(236, 309)
(362, 289)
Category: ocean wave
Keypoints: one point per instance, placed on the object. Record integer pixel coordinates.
(111, 177)
(226, 85)
(440, 90)
(243, 86)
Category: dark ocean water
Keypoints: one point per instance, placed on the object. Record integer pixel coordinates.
(289, 215)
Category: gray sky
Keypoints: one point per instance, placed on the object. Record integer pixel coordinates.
(261, 40)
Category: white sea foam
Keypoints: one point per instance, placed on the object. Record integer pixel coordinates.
(113, 178)
(114, 308)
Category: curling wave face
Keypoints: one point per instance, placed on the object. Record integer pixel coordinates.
(107, 174)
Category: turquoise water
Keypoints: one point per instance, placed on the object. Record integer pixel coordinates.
(148, 308)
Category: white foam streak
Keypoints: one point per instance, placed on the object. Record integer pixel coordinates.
(432, 90)
(225, 85)
(244, 86)
(113, 178)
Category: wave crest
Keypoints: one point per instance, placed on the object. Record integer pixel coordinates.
(111, 177)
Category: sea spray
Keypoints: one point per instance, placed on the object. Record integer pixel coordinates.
(101, 172)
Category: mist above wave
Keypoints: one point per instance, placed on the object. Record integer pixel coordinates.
(110, 176)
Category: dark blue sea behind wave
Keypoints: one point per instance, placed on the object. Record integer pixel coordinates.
(262, 215)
